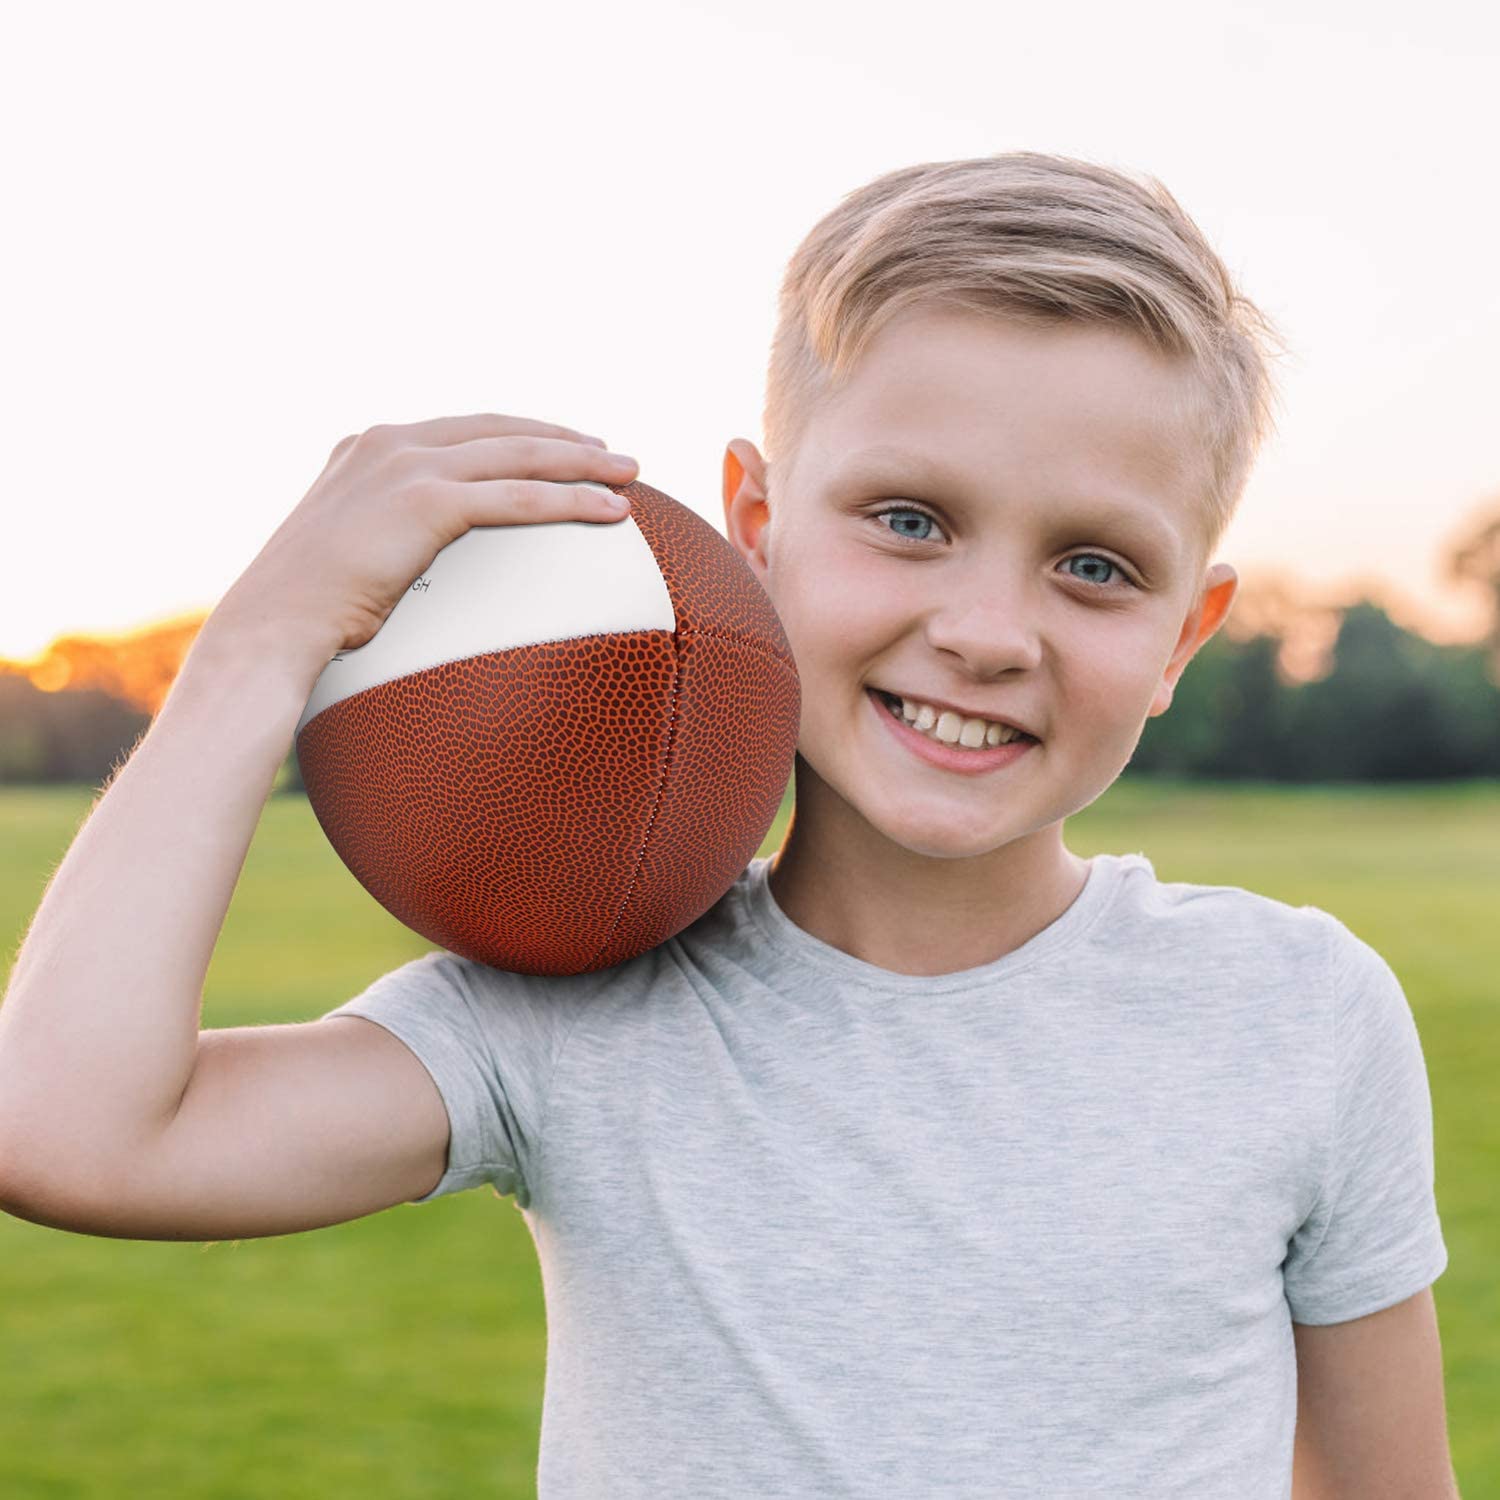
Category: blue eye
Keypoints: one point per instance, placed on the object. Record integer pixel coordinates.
(906, 510)
(1122, 578)
(1097, 558)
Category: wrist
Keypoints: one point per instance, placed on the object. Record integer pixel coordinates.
(241, 635)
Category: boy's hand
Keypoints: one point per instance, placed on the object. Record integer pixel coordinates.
(390, 499)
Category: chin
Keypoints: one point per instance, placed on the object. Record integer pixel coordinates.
(940, 833)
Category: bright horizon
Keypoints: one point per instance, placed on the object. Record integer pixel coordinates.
(238, 239)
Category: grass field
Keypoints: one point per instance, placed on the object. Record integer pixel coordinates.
(401, 1356)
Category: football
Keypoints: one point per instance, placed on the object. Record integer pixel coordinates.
(565, 741)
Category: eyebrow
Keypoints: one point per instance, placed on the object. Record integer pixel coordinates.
(885, 463)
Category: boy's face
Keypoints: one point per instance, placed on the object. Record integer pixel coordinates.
(1038, 560)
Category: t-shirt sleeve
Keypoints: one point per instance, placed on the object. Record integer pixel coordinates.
(490, 1040)
(1373, 1238)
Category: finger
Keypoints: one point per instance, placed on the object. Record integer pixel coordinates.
(526, 456)
(442, 432)
(520, 502)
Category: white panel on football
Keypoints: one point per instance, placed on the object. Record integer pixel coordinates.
(501, 586)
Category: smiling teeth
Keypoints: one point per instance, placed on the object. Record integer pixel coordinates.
(954, 729)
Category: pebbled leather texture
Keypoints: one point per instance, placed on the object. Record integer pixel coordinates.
(561, 807)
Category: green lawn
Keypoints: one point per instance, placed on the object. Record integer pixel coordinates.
(402, 1355)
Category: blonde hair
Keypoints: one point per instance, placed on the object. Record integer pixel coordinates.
(1042, 240)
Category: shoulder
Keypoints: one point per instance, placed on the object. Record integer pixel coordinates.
(1304, 949)
(1232, 920)
(463, 992)
(487, 987)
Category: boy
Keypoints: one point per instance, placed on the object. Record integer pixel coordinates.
(933, 1159)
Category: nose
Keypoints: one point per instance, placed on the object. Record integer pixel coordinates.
(988, 625)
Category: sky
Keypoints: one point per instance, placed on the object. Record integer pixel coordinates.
(237, 234)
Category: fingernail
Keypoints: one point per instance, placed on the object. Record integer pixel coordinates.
(614, 501)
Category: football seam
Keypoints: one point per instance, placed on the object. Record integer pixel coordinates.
(749, 642)
(661, 787)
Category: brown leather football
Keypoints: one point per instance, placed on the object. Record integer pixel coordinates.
(565, 741)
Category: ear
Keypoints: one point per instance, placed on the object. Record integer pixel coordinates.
(747, 512)
(1210, 608)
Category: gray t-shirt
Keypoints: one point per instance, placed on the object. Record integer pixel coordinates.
(811, 1228)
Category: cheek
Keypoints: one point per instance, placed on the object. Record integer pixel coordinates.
(826, 603)
(1115, 681)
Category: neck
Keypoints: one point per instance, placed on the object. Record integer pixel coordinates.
(846, 883)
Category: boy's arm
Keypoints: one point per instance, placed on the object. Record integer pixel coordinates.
(99, 1029)
(116, 1116)
(1371, 1423)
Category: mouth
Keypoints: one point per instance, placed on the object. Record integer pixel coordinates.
(940, 753)
(893, 703)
